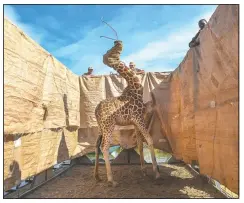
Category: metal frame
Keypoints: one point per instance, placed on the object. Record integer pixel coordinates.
(207, 179)
(32, 188)
(73, 163)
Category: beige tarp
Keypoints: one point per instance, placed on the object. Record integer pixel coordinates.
(200, 107)
(28, 154)
(23, 82)
(93, 90)
(35, 81)
(49, 111)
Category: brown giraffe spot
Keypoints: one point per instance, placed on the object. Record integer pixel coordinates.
(130, 73)
(120, 109)
(126, 69)
(137, 85)
(139, 105)
(126, 111)
(135, 108)
(136, 79)
(137, 102)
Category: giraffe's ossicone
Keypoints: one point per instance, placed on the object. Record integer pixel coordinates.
(126, 109)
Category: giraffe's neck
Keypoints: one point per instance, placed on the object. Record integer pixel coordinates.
(112, 59)
(129, 75)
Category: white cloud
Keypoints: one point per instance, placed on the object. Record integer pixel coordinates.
(87, 51)
(174, 46)
(94, 61)
(168, 47)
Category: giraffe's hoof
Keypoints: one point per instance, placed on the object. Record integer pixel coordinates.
(112, 183)
(157, 176)
(97, 178)
(143, 172)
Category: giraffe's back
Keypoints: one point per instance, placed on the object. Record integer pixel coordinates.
(119, 109)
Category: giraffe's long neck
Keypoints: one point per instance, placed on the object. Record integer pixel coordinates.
(112, 59)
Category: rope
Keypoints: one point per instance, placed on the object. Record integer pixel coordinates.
(110, 27)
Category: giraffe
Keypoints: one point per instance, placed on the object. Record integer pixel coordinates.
(126, 109)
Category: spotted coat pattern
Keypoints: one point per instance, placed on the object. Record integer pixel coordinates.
(126, 109)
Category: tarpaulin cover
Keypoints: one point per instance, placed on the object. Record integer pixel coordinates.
(49, 111)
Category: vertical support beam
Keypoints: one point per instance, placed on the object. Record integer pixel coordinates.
(17, 188)
(46, 175)
(33, 182)
(128, 158)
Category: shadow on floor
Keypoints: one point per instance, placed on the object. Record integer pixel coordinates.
(175, 182)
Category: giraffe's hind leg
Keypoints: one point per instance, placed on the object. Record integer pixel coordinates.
(140, 148)
(97, 152)
(140, 124)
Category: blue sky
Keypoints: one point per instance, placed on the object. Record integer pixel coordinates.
(155, 37)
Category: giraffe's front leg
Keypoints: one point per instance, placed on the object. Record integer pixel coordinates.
(105, 150)
(108, 167)
(140, 148)
(155, 166)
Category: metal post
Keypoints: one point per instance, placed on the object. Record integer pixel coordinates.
(33, 182)
(17, 188)
(46, 175)
(128, 157)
